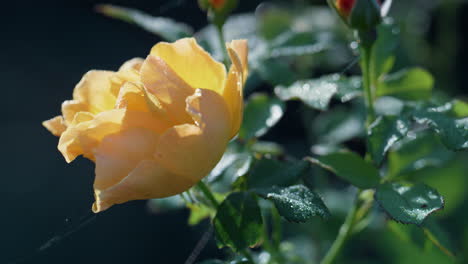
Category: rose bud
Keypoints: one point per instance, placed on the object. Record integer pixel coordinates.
(157, 126)
(362, 15)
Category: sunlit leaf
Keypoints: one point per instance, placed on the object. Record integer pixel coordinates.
(408, 204)
(350, 167)
(260, 114)
(453, 132)
(166, 28)
(383, 133)
(267, 148)
(198, 213)
(238, 221)
(317, 93)
(296, 203)
(412, 84)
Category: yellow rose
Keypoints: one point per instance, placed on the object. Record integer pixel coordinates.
(157, 126)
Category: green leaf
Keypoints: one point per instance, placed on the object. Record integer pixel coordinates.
(437, 235)
(408, 204)
(276, 72)
(454, 108)
(267, 148)
(453, 132)
(165, 204)
(235, 163)
(212, 261)
(413, 154)
(238, 221)
(268, 172)
(166, 28)
(317, 93)
(350, 167)
(260, 114)
(295, 203)
(383, 133)
(383, 51)
(198, 213)
(293, 51)
(459, 108)
(410, 84)
(338, 125)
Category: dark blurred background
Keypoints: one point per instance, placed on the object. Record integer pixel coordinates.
(45, 48)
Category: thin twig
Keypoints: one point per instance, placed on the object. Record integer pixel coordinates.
(200, 246)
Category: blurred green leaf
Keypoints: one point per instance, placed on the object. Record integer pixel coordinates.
(459, 108)
(437, 235)
(411, 84)
(260, 114)
(408, 233)
(273, 21)
(268, 172)
(317, 93)
(413, 154)
(295, 203)
(408, 204)
(383, 50)
(453, 132)
(238, 221)
(276, 72)
(166, 28)
(166, 204)
(350, 167)
(383, 133)
(267, 148)
(198, 213)
(235, 163)
(388, 105)
(212, 261)
(338, 125)
(292, 51)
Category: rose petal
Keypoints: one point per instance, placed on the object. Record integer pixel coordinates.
(120, 153)
(233, 92)
(170, 90)
(55, 125)
(193, 150)
(147, 180)
(84, 137)
(70, 108)
(193, 64)
(94, 89)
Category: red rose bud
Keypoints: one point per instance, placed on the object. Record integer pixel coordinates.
(217, 4)
(344, 7)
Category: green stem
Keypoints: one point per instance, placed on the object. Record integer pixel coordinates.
(343, 234)
(277, 230)
(208, 194)
(222, 43)
(268, 244)
(367, 83)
